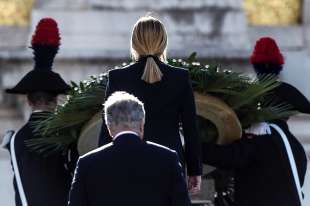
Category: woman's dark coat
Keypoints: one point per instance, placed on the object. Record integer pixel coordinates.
(168, 104)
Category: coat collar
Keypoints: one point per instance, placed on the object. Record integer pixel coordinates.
(127, 138)
(36, 115)
(125, 132)
(281, 123)
(144, 58)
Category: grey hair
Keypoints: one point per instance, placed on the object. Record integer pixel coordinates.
(124, 110)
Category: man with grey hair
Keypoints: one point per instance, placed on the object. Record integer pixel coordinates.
(128, 171)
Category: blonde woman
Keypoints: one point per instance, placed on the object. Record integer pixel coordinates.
(167, 95)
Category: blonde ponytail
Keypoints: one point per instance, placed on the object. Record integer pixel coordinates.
(151, 73)
(149, 39)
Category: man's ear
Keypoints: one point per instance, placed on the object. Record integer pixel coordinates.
(142, 128)
(111, 132)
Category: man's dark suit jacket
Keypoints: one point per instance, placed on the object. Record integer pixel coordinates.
(130, 172)
(263, 174)
(168, 104)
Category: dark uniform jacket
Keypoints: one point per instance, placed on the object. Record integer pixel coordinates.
(263, 174)
(45, 180)
(167, 104)
(130, 172)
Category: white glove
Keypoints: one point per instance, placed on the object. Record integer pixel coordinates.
(261, 128)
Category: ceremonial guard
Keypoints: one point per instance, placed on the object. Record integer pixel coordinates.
(39, 180)
(269, 163)
(268, 60)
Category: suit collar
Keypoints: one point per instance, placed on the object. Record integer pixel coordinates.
(127, 138)
(125, 132)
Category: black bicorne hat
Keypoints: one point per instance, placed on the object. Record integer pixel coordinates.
(286, 93)
(45, 44)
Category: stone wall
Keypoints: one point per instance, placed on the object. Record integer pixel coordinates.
(103, 27)
(96, 36)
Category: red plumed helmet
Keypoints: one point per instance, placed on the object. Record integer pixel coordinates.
(45, 45)
(46, 33)
(267, 51)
